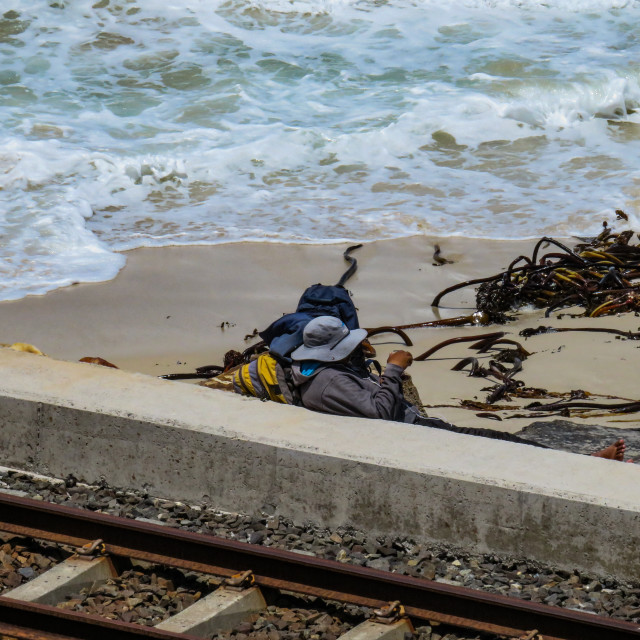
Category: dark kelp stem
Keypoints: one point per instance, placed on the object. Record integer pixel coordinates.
(556, 406)
(574, 298)
(527, 333)
(475, 368)
(469, 283)
(474, 318)
(540, 242)
(352, 261)
(440, 345)
(461, 285)
(396, 330)
(484, 345)
(186, 376)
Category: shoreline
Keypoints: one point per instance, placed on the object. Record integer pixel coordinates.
(179, 293)
(173, 309)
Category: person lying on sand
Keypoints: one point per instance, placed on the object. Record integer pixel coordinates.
(332, 376)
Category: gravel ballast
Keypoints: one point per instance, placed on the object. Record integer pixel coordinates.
(22, 559)
(513, 577)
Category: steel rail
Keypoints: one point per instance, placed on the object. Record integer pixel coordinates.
(286, 570)
(31, 621)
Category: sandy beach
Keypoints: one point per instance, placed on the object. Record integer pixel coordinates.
(173, 309)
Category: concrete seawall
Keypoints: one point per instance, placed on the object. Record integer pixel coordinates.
(187, 442)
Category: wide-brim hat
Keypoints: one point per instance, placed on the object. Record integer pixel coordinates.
(328, 339)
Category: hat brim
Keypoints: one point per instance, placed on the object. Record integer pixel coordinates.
(324, 353)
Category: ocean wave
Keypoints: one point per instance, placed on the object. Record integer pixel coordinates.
(139, 124)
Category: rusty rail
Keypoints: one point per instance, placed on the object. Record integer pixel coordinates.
(30, 621)
(279, 569)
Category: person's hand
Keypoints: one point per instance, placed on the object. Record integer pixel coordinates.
(401, 358)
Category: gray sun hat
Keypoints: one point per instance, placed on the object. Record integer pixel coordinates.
(328, 339)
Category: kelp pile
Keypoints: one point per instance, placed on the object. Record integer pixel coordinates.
(599, 274)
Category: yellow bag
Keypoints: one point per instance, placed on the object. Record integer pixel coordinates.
(264, 378)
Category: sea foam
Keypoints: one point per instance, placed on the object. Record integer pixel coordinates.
(133, 123)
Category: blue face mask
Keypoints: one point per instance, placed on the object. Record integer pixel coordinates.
(309, 367)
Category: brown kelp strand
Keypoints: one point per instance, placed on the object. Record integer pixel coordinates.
(187, 376)
(624, 407)
(506, 383)
(502, 391)
(475, 368)
(445, 343)
(477, 318)
(438, 260)
(566, 403)
(212, 369)
(599, 274)
(377, 330)
(476, 405)
(352, 261)
(206, 371)
(508, 373)
(507, 387)
(483, 346)
(461, 285)
(529, 332)
(233, 358)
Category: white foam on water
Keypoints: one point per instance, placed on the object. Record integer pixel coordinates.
(205, 121)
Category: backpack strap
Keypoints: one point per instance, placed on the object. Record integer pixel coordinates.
(289, 389)
(375, 364)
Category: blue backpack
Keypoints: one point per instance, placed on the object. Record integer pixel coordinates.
(285, 334)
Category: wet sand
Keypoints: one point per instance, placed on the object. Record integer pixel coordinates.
(173, 309)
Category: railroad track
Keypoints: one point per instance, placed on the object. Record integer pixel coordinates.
(420, 600)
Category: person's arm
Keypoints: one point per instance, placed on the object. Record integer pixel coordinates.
(400, 358)
(346, 394)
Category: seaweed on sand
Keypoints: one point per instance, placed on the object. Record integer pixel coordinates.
(600, 274)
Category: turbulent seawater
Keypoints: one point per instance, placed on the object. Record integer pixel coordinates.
(128, 123)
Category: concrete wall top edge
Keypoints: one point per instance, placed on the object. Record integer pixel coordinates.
(115, 392)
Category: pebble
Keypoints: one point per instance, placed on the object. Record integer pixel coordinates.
(141, 596)
(23, 559)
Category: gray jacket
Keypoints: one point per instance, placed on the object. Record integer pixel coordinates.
(339, 390)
